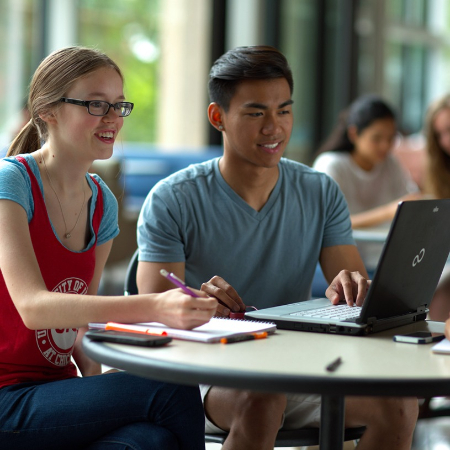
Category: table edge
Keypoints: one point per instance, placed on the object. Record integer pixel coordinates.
(187, 374)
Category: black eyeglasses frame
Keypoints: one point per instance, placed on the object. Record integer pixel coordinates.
(86, 104)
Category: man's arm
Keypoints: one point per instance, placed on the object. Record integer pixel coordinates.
(149, 280)
(343, 265)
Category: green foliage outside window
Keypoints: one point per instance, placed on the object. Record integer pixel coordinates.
(128, 32)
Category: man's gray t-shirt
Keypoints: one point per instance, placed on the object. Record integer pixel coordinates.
(268, 256)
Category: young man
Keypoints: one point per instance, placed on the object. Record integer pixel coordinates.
(261, 223)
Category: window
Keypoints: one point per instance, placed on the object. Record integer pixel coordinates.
(128, 32)
(404, 54)
(19, 39)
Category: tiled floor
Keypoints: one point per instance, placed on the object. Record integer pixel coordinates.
(348, 446)
(430, 434)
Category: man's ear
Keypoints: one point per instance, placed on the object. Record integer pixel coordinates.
(215, 116)
(352, 133)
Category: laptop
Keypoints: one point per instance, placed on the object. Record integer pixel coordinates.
(408, 271)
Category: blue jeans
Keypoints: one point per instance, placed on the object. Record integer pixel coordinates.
(114, 411)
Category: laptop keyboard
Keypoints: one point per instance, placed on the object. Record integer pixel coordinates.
(340, 312)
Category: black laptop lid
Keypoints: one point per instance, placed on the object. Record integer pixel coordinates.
(412, 260)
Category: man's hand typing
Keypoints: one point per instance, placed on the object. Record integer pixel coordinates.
(347, 286)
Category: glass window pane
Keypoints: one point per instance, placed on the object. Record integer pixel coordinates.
(128, 31)
(298, 18)
(19, 44)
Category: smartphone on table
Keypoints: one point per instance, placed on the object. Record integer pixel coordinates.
(419, 337)
(123, 337)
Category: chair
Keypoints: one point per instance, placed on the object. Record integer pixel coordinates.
(130, 285)
(295, 438)
(432, 408)
(285, 438)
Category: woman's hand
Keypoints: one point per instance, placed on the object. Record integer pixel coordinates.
(179, 310)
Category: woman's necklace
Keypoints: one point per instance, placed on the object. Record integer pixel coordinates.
(67, 234)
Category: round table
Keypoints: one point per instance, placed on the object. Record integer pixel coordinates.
(293, 361)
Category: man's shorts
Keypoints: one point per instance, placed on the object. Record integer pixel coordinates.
(302, 410)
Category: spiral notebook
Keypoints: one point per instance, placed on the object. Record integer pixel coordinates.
(213, 331)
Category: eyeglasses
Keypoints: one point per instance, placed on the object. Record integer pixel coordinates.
(100, 107)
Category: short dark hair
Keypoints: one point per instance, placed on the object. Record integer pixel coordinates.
(245, 63)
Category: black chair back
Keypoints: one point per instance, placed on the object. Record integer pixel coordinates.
(130, 286)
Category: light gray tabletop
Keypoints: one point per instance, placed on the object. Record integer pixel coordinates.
(292, 361)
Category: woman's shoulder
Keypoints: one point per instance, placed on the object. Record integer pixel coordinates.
(333, 163)
(333, 158)
(15, 182)
(109, 199)
(98, 181)
(393, 162)
(12, 168)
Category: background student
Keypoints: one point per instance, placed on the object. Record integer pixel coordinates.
(358, 155)
(261, 222)
(437, 184)
(57, 225)
(437, 134)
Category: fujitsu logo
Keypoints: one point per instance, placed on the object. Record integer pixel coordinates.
(418, 258)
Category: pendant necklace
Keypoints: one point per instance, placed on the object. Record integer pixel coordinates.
(67, 234)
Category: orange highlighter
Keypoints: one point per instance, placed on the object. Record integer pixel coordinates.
(244, 337)
(134, 329)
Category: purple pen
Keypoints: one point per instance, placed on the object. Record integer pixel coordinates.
(177, 282)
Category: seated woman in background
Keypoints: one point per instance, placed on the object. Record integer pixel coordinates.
(358, 156)
(437, 133)
(437, 183)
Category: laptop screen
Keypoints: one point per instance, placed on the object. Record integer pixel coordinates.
(412, 259)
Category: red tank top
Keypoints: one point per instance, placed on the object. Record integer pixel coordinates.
(45, 355)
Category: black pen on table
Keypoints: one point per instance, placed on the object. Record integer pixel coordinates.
(333, 366)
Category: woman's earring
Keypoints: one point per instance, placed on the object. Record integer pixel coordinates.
(221, 127)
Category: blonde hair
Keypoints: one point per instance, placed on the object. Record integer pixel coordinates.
(52, 79)
(437, 180)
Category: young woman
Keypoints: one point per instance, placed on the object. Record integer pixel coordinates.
(437, 133)
(437, 184)
(358, 156)
(57, 225)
